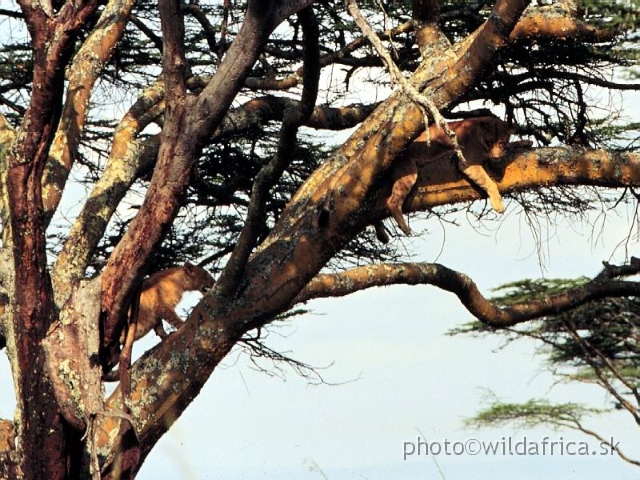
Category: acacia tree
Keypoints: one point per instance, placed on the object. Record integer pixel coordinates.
(229, 175)
(596, 343)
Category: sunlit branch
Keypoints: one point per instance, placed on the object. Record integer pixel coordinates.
(86, 67)
(344, 283)
(399, 123)
(548, 22)
(442, 184)
(129, 155)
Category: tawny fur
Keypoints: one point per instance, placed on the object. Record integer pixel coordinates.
(480, 139)
(162, 292)
(7, 436)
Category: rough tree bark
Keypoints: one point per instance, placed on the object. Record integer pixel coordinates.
(48, 448)
(61, 331)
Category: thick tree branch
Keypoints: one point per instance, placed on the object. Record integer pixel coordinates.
(129, 155)
(7, 137)
(259, 111)
(557, 22)
(216, 97)
(168, 376)
(442, 184)
(286, 8)
(210, 332)
(70, 346)
(344, 283)
(372, 148)
(187, 128)
(44, 438)
(425, 16)
(87, 65)
(161, 202)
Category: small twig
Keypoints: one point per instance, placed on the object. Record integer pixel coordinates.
(224, 27)
(590, 352)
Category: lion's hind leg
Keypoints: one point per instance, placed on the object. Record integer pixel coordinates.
(405, 176)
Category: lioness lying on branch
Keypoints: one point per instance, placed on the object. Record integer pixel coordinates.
(480, 139)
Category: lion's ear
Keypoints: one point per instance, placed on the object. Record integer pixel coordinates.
(189, 267)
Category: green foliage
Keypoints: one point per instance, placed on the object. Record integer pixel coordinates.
(531, 414)
(599, 332)
(525, 290)
(597, 343)
(623, 14)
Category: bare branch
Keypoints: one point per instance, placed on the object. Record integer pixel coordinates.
(588, 79)
(591, 353)
(558, 22)
(151, 35)
(614, 446)
(344, 283)
(259, 111)
(127, 158)
(209, 31)
(87, 65)
(42, 429)
(269, 175)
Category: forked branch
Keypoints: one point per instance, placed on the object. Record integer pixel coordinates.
(294, 118)
(422, 100)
